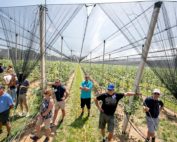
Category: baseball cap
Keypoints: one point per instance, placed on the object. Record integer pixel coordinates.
(156, 91)
(110, 86)
(1, 87)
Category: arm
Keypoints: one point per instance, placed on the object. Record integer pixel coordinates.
(145, 107)
(161, 105)
(50, 83)
(10, 102)
(132, 94)
(66, 95)
(89, 87)
(11, 106)
(98, 106)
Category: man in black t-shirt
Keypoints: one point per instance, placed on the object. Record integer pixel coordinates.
(152, 107)
(60, 96)
(110, 101)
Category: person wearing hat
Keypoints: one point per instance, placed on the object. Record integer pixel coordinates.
(6, 103)
(110, 101)
(152, 106)
(86, 89)
(44, 116)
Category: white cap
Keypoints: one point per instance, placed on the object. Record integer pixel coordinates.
(156, 91)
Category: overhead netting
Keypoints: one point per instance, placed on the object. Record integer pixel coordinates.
(20, 36)
(162, 56)
(80, 32)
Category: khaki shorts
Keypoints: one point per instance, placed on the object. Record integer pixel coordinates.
(60, 105)
(22, 98)
(45, 121)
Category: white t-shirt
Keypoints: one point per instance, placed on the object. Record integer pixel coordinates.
(7, 78)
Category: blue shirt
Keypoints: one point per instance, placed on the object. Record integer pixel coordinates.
(5, 102)
(86, 94)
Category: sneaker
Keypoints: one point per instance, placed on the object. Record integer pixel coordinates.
(61, 120)
(105, 140)
(27, 114)
(35, 138)
(1, 131)
(88, 114)
(20, 113)
(46, 139)
(52, 125)
(153, 139)
(147, 140)
(8, 134)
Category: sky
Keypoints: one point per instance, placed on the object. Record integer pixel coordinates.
(95, 33)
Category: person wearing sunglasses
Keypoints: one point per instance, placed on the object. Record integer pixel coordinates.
(152, 107)
(60, 95)
(86, 89)
(44, 116)
(109, 101)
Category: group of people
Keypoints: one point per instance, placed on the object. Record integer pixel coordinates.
(152, 106)
(52, 97)
(58, 95)
(11, 81)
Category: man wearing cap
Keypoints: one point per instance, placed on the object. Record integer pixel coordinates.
(152, 106)
(6, 103)
(86, 89)
(110, 101)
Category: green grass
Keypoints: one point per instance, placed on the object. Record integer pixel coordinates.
(75, 128)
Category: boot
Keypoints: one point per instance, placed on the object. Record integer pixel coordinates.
(153, 139)
(147, 140)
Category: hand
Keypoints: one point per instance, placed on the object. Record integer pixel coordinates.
(101, 110)
(63, 98)
(39, 116)
(139, 94)
(146, 109)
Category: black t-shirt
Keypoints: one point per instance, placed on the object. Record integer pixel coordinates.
(59, 92)
(154, 106)
(109, 102)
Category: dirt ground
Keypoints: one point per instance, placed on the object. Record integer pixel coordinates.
(25, 137)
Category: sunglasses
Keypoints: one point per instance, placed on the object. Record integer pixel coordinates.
(156, 94)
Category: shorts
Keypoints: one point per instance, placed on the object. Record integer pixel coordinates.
(22, 98)
(106, 119)
(60, 105)
(152, 124)
(86, 102)
(45, 121)
(4, 116)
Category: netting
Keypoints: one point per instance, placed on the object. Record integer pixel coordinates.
(79, 32)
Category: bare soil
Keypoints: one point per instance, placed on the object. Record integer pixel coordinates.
(25, 137)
